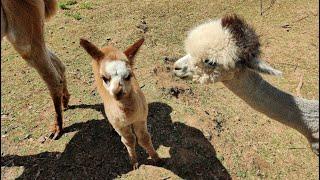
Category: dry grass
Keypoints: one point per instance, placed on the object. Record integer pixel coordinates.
(207, 132)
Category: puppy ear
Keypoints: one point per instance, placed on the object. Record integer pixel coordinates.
(132, 50)
(91, 49)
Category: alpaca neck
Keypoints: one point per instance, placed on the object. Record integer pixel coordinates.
(295, 112)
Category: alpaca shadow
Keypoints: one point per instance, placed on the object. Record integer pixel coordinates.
(96, 151)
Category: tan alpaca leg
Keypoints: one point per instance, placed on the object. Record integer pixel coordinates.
(144, 139)
(61, 69)
(27, 36)
(129, 140)
(46, 69)
(39, 58)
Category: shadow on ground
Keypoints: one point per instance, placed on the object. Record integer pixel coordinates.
(96, 152)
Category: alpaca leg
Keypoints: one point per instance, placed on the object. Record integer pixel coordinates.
(61, 69)
(129, 140)
(3, 24)
(144, 139)
(54, 82)
(39, 58)
(314, 142)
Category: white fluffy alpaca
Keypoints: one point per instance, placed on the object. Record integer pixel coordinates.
(227, 50)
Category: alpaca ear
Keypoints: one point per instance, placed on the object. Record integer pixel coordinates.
(262, 67)
(132, 50)
(91, 49)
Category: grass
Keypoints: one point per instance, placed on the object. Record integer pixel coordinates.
(178, 126)
(86, 5)
(77, 16)
(65, 5)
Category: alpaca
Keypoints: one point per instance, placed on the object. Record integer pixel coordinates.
(124, 103)
(22, 23)
(227, 50)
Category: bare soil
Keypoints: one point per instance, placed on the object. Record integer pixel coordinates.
(201, 132)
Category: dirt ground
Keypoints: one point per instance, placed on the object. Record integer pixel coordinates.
(201, 132)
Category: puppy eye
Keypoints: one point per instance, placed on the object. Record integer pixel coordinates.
(210, 63)
(128, 77)
(105, 79)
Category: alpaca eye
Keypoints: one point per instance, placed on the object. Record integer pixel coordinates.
(128, 77)
(210, 63)
(106, 80)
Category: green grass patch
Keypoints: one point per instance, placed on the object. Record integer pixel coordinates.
(65, 5)
(77, 16)
(86, 5)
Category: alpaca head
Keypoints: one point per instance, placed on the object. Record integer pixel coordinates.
(115, 67)
(216, 50)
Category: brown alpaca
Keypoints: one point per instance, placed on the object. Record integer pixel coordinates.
(124, 102)
(22, 22)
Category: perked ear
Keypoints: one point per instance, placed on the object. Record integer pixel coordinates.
(262, 67)
(91, 49)
(132, 50)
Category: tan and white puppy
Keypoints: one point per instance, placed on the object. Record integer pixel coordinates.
(124, 103)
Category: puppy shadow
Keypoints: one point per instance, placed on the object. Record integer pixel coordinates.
(96, 151)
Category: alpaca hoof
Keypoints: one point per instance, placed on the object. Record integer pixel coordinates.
(135, 166)
(158, 162)
(55, 135)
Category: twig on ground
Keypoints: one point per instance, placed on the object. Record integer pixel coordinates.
(297, 148)
(300, 19)
(298, 89)
(260, 7)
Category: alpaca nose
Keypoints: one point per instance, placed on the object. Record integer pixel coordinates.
(118, 89)
(183, 69)
(176, 68)
(119, 94)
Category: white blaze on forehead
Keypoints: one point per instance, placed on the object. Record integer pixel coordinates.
(116, 68)
(118, 71)
(211, 40)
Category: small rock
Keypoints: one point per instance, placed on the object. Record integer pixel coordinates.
(4, 116)
(58, 156)
(207, 135)
(42, 139)
(27, 136)
(237, 118)
(167, 59)
(155, 71)
(143, 26)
